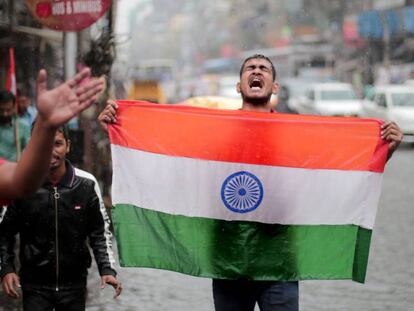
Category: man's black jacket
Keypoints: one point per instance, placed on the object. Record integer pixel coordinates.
(55, 225)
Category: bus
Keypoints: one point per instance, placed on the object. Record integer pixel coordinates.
(153, 80)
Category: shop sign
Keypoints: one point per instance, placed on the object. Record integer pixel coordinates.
(67, 15)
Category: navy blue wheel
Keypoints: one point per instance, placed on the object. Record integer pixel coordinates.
(242, 192)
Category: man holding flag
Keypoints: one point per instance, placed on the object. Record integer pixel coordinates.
(290, 228)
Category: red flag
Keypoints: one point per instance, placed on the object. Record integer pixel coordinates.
(11, 74)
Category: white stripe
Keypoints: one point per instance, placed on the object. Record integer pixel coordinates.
(191, 187)
(3, 210)
(105, 217)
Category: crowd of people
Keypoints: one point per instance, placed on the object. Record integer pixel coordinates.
(57, 208)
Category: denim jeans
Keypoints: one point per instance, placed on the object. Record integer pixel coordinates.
(242, 295)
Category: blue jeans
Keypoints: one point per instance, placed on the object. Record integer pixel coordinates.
(242, 295)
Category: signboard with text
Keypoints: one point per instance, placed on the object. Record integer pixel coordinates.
(67, 15)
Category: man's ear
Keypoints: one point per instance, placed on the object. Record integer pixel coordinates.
(275, 88)
(238, 87)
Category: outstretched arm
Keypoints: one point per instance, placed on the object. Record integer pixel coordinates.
(55, 108)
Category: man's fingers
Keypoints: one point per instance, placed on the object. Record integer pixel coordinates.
(393, 138)
(108, 115)
(103, 283)
(85, 104)
(10, 291)
(112, 103)
(118, 289)
(84, 73)
(41, 81)
(84, 92)
(390, 131)
(90, 85)
(110, 112)
(16, 281)
(86, 96)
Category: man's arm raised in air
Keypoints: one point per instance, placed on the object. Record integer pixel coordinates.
(55, 108)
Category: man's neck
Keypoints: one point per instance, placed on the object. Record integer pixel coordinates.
(56, 175)
(260, 108)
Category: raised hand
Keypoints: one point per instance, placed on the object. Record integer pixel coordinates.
(391, 132)
(108, 115)
(57, 106)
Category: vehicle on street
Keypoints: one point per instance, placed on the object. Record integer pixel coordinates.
(392, 103)
(152, 80)
(215, 102)
(330, 99)
(292, 91)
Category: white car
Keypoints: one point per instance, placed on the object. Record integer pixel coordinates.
(392, 103)
(330, 99)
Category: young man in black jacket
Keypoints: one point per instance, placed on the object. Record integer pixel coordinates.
(55, 225)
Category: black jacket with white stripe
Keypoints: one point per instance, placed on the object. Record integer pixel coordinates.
(56, 224)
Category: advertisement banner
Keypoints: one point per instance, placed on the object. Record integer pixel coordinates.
(67, 15)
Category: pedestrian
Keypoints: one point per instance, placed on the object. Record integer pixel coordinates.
(26, 110)
(55, 226)
(55, 107)
(14, 133)
(256, 86)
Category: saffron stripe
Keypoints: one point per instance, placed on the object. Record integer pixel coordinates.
(314, 142)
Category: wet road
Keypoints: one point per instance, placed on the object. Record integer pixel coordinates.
(390, 277)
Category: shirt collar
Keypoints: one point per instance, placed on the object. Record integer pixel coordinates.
(67, 179)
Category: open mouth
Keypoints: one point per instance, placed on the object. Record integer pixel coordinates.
(256, 84)
(54, 159)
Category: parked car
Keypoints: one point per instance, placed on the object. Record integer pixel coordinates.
(330, 99)
(291, 91)
(392, 103)
(216, 102)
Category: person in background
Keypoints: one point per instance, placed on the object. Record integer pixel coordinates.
(26, 110)
(14, 133)
(55, 107)
(55, 226)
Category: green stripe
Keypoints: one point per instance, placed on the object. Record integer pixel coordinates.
(235, 249)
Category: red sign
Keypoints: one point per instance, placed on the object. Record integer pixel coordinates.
(350, 32)
(67, 15)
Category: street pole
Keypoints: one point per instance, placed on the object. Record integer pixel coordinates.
(70, 42)
(70, 54)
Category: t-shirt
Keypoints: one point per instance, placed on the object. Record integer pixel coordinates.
(8, 139)
(3, 202)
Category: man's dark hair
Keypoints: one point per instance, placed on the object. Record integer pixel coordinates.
(65, 131)
(62, 129)
(24, 90)
(259, 56)
(6, 96)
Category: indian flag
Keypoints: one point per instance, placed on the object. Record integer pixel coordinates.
(238, 194)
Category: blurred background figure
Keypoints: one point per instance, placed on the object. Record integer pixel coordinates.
(14, 133)
(25, 107)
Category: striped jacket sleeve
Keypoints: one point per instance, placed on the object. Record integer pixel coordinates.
(100, 236)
